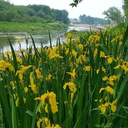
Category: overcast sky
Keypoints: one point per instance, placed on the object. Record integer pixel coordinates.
(89, 7)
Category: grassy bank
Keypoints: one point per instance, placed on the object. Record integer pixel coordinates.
(10, 26)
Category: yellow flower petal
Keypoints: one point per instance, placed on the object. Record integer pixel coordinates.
(110, 90)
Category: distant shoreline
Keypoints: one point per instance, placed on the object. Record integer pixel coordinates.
(89, 26)
(6, 27)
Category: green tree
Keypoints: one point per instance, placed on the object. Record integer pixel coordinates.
(82, 18)
(113, 14)
(46, 10)
(31, 13)
(91, 20)
(60, 15)
(7, 11)
(75, 3)
(35, 7)
(125, 8)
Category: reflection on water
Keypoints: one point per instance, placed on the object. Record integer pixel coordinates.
(4, 44)
(38, 38)
(78, 28)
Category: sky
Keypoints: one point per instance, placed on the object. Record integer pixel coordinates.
(93, 8)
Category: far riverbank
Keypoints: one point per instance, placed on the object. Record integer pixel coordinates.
(28, 27)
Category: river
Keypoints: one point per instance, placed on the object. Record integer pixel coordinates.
(38, 37)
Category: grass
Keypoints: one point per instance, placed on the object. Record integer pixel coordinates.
(76, 84)
(10, 26)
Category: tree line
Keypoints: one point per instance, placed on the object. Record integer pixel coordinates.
(31, 13)
(92, 20)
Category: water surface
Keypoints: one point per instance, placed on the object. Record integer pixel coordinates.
(39, 37)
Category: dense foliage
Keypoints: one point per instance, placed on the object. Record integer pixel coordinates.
(125, 7)
(31, 13)
(92, 20)
(80, 83)
(75, 3)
